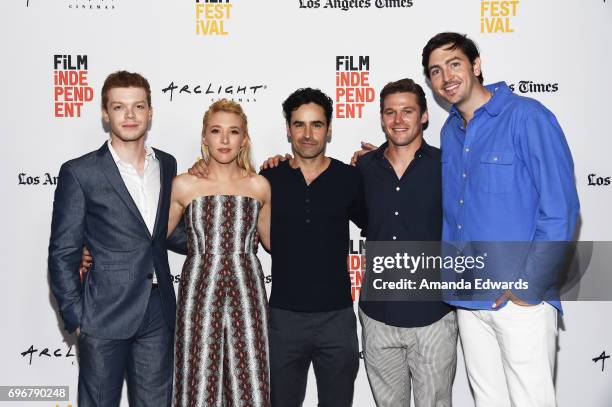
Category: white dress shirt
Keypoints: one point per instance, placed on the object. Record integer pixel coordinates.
(143, 188)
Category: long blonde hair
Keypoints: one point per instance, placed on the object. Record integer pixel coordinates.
(244, 155)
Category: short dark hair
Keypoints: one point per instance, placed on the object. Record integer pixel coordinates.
(453, 40)
(405, 85)
(304, 96)
(124, 79)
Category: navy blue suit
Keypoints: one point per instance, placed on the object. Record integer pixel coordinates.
(125, 325)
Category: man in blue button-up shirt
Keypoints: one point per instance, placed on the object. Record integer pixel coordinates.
(507, 176)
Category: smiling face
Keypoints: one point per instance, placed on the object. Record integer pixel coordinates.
(402, 119)
(308, 131)
(224, 135)
(453, 76)
(128, 113)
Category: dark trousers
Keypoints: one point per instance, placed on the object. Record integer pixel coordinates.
(328, 340)
(146, 360)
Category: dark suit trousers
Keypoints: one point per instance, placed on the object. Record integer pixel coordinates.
(145, 359)
(328, 340)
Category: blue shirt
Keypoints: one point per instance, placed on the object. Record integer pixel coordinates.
(507, 176)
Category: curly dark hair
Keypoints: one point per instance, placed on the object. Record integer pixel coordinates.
(304, 96)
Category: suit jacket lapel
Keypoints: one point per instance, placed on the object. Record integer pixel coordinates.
(162, 191)
(110, 170)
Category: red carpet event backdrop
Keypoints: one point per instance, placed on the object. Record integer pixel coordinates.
(57, 53)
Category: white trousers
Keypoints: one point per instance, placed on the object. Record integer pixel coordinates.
(510, 354)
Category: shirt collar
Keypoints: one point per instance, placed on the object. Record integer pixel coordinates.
(298, 170)
(424, 149)
(149, 153)
(499, 92)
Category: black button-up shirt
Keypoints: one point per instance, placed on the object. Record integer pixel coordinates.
(404, 209)
(309, 236)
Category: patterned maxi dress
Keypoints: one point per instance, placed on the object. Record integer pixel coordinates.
(221, 344)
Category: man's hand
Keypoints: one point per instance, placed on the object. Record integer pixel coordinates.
(508, 295)
(78, 332)
(365, 148)
(199, 169)
(86, 261)
(273, 162)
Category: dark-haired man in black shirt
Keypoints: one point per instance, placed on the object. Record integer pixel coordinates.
(311, 310)
(406, 342)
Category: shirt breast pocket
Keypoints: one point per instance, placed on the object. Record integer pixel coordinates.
(497, 172)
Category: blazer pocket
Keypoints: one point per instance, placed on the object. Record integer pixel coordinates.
(497, 172)
(113, 273)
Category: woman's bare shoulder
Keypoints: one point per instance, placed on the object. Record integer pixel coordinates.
(260, 183)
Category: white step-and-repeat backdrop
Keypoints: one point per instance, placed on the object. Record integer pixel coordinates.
(56, 54)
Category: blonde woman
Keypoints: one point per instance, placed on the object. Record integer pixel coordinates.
(221, 342)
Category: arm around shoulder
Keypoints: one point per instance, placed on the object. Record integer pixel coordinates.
(264, 195)
(180, 189)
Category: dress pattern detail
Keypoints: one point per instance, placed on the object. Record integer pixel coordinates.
(221, 344)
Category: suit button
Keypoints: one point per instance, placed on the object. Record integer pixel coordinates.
(150, 276)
